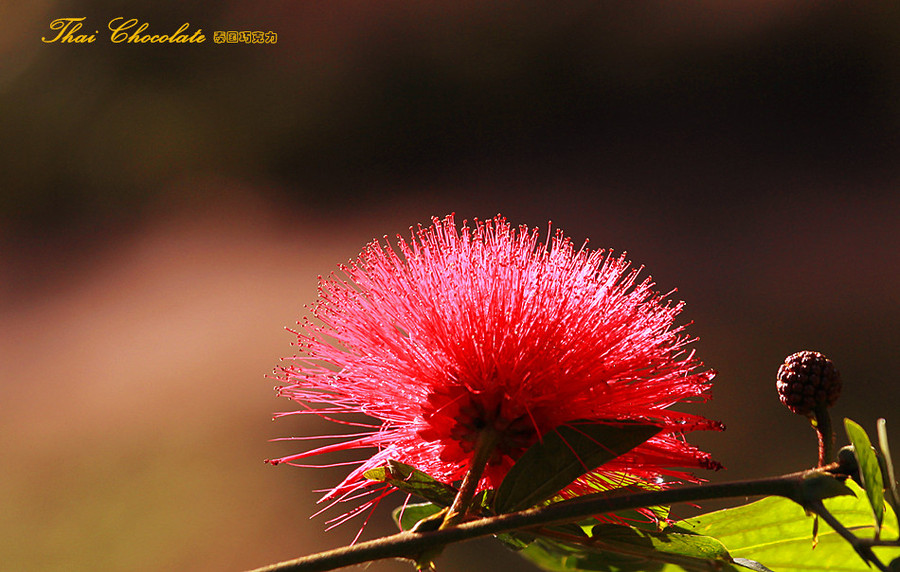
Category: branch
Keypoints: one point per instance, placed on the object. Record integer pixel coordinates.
(803, 488)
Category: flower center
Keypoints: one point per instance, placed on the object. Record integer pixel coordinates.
(514, 436)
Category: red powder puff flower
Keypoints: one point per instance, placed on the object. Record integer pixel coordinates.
(459, 329)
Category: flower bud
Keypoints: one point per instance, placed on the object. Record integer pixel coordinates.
(807, 380)
(848, 465)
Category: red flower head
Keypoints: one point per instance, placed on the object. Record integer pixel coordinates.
(464, 328)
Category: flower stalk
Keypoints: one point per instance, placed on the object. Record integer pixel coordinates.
(485, 447)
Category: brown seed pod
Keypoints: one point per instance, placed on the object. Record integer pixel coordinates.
(806, 380)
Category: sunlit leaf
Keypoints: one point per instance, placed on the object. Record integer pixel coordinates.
(413, 481)
(869, 471)
(563, 455)
(408, 516)
(516, 540)
(778, 533)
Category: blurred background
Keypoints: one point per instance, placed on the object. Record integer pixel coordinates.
(165, 211)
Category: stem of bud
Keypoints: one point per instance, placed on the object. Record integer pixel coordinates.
(821, 421)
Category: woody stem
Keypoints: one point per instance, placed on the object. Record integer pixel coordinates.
(803, 488)
(485, 445)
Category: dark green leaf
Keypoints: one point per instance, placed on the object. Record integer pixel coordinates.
(673, 545)
(413, 481)
(408, 516)
(563, 455)
(778, 533)
(615, 548)
(869, 471)
(519, 539)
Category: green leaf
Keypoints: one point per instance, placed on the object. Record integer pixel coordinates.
(887, 469)
(615, 548)
(407, 517)
(421, 517)
(516, 540)
(549, 554)
(411, 480)
(778, 533)
(869, 471)
(563, 455)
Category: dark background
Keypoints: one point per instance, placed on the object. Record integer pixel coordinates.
(165, 210)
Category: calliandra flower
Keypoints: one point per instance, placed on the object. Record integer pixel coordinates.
(461, 328)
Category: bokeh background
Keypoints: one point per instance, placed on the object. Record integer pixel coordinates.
(165, 210)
